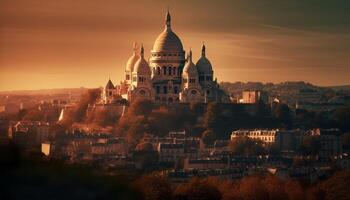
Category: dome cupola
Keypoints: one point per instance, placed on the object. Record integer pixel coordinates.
(141, 66)
(190, 68)
(132, 60)
(167, 41)
(203, 64)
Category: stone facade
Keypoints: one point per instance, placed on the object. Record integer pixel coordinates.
(168, 76)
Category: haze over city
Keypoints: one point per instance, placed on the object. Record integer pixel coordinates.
(58, 44)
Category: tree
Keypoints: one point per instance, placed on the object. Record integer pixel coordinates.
(86, 99)
(274, 187)
(211, 116)
(282, 113)
(342, 118)
(252, 188)
(197, 189)
(34, 115)
(208, 137)
(145, 155)
(337, 187)
(294, 190)
(154, 187)
(261, 109)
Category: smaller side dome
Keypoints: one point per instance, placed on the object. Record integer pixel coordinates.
(141, 66)
(132, 60)
(190, 69)
(109, 85)
(203, 64)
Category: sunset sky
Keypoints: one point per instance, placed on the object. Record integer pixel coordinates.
(74, 43)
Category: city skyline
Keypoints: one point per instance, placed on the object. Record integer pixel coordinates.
(74, 44)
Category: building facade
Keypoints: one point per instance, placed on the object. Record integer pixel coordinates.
(168, 76)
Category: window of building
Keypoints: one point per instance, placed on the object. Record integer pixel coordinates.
(158, 70)
(142, 92)
(127, 77)
(165, 89)
(158, 89)
(164, 70)
(174, 71)
(169, 71)
(176, 90)
(201, 78)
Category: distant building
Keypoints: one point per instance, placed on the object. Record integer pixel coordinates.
(29, 132)
(253, 96)
(110, 147)
(309, 95)
(266, 135)
(331, 145)
(170, 152)
(284, 140)
(206, 163)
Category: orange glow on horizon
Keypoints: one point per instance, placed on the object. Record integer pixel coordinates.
(73, 44)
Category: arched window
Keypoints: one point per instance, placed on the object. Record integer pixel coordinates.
(164, 70)
(169, 71)
(158, 70)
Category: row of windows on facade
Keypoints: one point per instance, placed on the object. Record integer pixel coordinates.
(169, 100)
(134, 78)
(192, 80)
(170, 54)
(166, 89)
(207, 78)
(171, 71)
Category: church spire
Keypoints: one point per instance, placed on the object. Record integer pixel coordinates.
(142, 51)
(168, 20)
(203, 49)
(134, 47)
(190, 55)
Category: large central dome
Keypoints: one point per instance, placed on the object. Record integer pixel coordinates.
(167, 41)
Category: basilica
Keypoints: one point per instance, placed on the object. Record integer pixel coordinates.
(169, 76)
